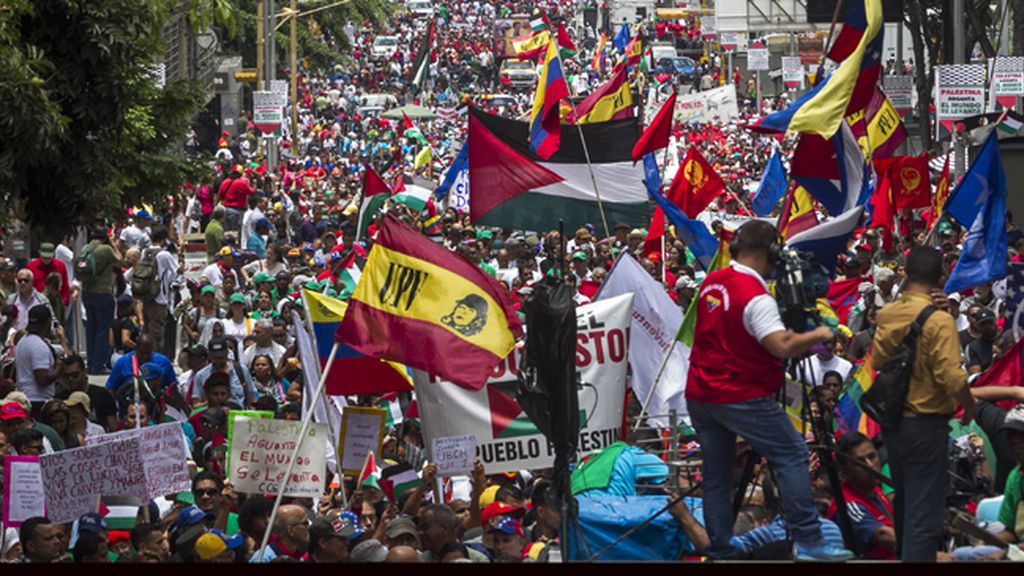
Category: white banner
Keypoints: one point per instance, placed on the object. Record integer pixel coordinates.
(75, 478)
(656, 320)
(900, 90)
(959, 92)
(165, 456)
(792, 72)
(715, 105)
(261, 450)
(506, 439)
(1008, 76)
(729, 41)
(757, 57)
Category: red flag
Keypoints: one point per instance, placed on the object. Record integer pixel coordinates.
(564, 41)
(908, 180)
(842, 295)
(941, 194)
(656, 136)
(883, 212)
(373, 184)
(697, 184)
(406, 123)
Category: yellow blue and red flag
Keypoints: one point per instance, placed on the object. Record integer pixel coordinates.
(545, 120)
(352, 372)
(423, 306)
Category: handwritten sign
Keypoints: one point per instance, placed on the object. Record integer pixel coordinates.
(232, 415)
(454, 454)
(261, 451)
(362, 430)
(75, 478)
(24, 495)
(164, 456)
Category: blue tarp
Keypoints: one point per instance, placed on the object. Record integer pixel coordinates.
(603, 519)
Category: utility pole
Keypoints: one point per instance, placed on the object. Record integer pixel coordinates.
(959, 150)
(260, 42)
(295, 74)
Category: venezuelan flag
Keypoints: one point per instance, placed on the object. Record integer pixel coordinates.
(545, 123)
(352, 372)
(849, 416)
(419, 304)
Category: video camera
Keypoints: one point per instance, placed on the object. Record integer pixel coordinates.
(799, 281)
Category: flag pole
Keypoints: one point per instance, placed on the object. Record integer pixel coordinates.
(298, 446)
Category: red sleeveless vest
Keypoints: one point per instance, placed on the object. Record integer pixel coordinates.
(882, 515)
(728, 365)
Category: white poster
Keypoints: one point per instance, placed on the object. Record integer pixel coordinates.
(729, 41)
(75, 478)
(24, 493)
(717, 105)
(757, 57)
(792, 72)
(453, 454)
(900, 90)
(1007, 81)
(506, 439)
(164, 456)
(362, 432)
(261, 450)
(959, 93)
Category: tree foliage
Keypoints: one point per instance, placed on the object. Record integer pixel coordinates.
(87, 131)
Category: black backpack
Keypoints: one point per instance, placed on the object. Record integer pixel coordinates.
(883, 401)
(144, 275)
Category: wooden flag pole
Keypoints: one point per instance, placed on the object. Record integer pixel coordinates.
(298, 446)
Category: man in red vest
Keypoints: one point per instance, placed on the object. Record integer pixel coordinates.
(870, 513)
(735, 371)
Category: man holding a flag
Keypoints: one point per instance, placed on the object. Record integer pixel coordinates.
(735, 371)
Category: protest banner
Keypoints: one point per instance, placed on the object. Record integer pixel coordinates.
(900, 90)
(453, 455)
(959, 93)
(24, 494)
(261, 451)
(232, 415)
(717, 105)
(164, 456)
(757, 57)
(362, 431)
(792, 72)
(75, 478)
(1007, 80)
(506, 439)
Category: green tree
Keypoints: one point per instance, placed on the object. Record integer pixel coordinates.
(87, 131)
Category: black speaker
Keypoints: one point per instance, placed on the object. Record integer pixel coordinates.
(820, 11)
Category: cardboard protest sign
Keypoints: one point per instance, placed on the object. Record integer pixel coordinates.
(362, 431)
(506, 439)
(75, 478)
(164, 456)
(24, 494)
(262, 449)
(454, 455)
(232, 415)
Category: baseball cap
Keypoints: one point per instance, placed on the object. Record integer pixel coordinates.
(208, 289)
(501, 509)
(39, 315)
(214, 542)
(508, 526)
(369, 551)
(579, 256)
(237, 298)
(984, 315)
(261, 277)
(400, 526)
(228, 250)
(46, 250)
(151, 371)
(11, 411)
(22, 400)
(346, 525)
(91, 522)
(637, 232)
(487, 496)
(685, 282)
(1014, 419)
(263, 223)
(218, 348)
(125, 299)
(79, 399)
(189, 517)
(199, 351)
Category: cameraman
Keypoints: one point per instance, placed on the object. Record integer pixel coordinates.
(735, 371)
(919, 445)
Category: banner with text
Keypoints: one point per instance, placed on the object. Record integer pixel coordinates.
(24, 494)
(164, 456)
(262, 449)
(1007, 81)
(75, 478)
(715, 105)
(900, 90)
(757, 57)
(506, 439)
(959, 93)
(792, 72)
(362, 431)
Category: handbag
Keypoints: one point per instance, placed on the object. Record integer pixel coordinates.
(883, 401)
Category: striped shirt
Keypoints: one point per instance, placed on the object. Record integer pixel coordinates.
(776, 532)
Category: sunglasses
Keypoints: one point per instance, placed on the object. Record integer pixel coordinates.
(24, 280)
(206, 492)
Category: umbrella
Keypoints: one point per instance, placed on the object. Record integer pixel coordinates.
(412, 111)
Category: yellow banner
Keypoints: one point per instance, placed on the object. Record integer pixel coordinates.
(883, 125)
(607, 107)
(401, 285)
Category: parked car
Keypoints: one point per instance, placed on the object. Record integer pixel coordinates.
(421, 8)
(677, 66)
(517, 73)
(383, 47)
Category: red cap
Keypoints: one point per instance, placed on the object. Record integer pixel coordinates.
(501, 509)
(11, 411)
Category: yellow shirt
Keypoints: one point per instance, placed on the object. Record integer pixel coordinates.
(937, 373)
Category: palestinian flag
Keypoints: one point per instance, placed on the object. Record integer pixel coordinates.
(412, 132)
(1011, 123)
(392, 409)
(421, 65)
(370, 475)
(566, 47)
(413, 196)
(510, 186)
(398, 480)
(538, 22)
(375, 193)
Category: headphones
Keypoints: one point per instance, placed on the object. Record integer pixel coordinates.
(774, 250)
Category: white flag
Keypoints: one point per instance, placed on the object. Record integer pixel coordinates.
(329, 409)
(656, 320)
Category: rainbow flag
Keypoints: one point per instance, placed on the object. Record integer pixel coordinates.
(598, 63)
(545, 120)
(352, 372)
(848, 414)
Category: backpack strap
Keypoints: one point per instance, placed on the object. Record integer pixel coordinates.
(918, 326)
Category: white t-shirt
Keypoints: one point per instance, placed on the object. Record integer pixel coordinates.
(820, 367)
(275, 351)
(249, 221)
(761, 316)
(238, 330)
(33, 353)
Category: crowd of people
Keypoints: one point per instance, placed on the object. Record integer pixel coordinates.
(202, 341)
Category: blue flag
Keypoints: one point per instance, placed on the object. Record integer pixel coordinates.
(696, 235)
(982, 178)
(772, 187)
(622, 38)
(652, 179)
(982, 191)
(829, 239)
(460, 165)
